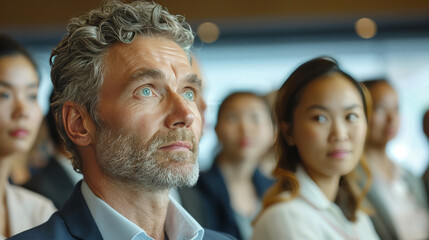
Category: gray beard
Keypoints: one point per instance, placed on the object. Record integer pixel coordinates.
(122, 156)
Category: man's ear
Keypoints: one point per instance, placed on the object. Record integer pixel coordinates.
(79, 126)
(287, 133)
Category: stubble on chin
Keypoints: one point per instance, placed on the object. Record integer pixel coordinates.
(124, 157)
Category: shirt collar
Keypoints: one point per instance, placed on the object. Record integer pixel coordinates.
(309, 190)
(180, 224)
(112, 225)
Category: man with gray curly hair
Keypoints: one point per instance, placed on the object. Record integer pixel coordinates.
(126, 102)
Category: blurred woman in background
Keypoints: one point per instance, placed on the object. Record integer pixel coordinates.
(20, 120)
(397, 196)
(321, 118)
(233, 187)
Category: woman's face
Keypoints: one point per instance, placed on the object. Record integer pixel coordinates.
(329, 127)
(20, 113)
(244, 128)
(384, 122)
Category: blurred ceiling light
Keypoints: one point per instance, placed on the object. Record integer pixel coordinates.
(208, 32)
(366, 28)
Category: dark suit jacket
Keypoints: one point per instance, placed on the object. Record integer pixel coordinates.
(74, 221)
(217, 210)
(53, 182)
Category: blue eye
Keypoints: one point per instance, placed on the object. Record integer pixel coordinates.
(189, 95)
(146, 92)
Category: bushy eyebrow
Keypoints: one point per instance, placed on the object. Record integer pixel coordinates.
(347, 108)
(192, 79)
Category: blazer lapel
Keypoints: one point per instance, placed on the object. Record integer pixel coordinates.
(78, 218)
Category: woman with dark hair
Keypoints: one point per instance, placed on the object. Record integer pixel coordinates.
(233, 187)
(321, 117)
(397, 195)
(20, 120)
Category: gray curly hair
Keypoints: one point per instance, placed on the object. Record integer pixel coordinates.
(77, 62)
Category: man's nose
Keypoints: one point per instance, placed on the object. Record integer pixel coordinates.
(180, 115)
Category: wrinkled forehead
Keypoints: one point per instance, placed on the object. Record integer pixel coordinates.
(151, 48)
(145, 53)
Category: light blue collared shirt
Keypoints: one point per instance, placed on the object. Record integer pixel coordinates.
(113, 226)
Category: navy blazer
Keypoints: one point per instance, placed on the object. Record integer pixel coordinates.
(74, 221)
(217, 209)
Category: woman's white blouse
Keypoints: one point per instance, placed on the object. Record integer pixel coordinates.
(311, 216)
(26, 209)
